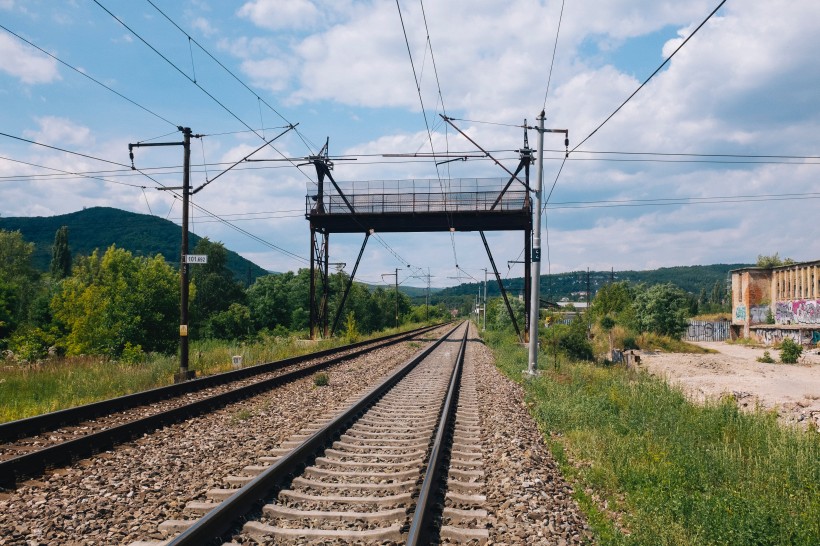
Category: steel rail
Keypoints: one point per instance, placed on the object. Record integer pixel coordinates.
(30, 426)
(421, 527)
(228, 514)
(34, 463)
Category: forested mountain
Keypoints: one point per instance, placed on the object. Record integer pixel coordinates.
(693, 279)
(100, 227)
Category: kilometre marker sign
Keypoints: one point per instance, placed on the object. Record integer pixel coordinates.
(196, 259)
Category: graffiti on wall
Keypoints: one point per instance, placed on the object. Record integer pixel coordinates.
(700, 330)
(798, 312)
(772, 336)
(760, 314)
(740, 312)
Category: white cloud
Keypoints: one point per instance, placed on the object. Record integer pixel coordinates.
(272, 74)
(279, 14)
(26, 63)
(743, 84)
(60, 132)
(204, 26)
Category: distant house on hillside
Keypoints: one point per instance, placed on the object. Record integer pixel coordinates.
(770, 304)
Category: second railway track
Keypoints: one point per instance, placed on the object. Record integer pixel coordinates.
(29, 446)
(371, 473)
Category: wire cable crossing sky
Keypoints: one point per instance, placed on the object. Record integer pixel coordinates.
(695, 123)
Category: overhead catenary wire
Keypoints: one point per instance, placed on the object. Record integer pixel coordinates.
(421, 102)
(665, 61)
(92, 177)
(87, 156)
(231, 73)
(444, 110)
(554, 49)
(618, 109)
(192, 80)
(88, 76)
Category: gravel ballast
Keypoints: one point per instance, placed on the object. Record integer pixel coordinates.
(528, 500)
(123, 495)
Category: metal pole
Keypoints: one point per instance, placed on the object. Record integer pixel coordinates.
(312, 289)
(484, 325)
(397, 298)
(349, 284)
(184, 374)
(535, 296)
(427, 300)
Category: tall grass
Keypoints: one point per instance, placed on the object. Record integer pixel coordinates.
(58, 384)
(652, 468)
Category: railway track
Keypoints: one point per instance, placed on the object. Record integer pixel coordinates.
(370, 474)
(29, 446)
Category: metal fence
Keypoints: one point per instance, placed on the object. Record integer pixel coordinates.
(701, 330)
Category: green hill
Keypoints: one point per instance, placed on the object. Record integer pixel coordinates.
(692, 279)
(100, 227)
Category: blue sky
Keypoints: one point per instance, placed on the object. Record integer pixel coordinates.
(747, 84)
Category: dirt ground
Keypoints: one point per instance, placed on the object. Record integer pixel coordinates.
(793, 390)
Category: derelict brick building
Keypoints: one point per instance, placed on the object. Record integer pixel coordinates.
(770, 304)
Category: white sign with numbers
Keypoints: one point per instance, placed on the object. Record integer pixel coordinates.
(196, 259)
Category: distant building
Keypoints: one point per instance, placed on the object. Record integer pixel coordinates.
(770, 304)
(576, 304)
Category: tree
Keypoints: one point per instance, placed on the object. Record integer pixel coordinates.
(499, 317)
(773, 260)
(216, 288)
(615, 300)
(60, 255)
(117, 300)
(268, 301)
(233, 323)
(662, 309)
(18, 281)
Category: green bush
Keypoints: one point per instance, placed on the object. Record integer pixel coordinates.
(30, 344)
(790, 351)
(766, 358)
(321, 380)
(575, 343)
(351, 329)
(132, 354)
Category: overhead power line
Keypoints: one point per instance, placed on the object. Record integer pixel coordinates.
(80, 175)
(241, 82)
(668, 201)
(190, 79)
(554, 49)
(683, 43)
(66, 151)
(85, 75)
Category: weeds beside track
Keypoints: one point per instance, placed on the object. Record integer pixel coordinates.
(650, 467)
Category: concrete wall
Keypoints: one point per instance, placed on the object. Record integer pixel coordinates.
(772, 304)
(751, 298)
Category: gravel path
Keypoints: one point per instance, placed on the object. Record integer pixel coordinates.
(528, 500)
(122, 495)
(793, 390)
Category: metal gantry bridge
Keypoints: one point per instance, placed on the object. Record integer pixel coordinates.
(405, 206)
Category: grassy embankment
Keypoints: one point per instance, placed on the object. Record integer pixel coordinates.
(64, 383)
(651, 468)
